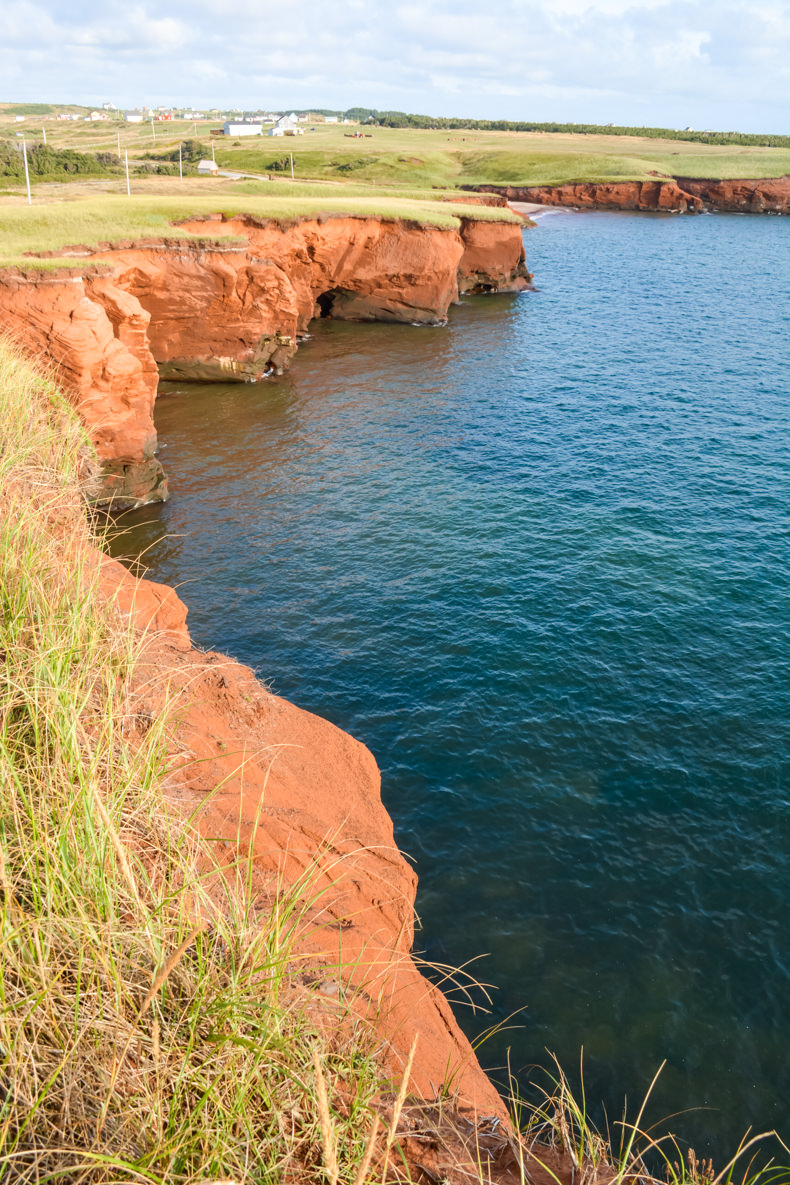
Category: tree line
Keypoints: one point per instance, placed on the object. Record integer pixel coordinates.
(403, 119)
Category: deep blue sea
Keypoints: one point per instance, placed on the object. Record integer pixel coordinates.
(538, 561)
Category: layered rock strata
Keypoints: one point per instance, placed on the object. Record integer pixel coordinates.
(678, 195)
(232, 311)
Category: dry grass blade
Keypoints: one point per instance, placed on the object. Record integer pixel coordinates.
(364, 1165)
(327, 1132)
(168, 967)
(120, 850)
(402, 1093)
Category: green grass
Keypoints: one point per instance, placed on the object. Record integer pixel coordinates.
(149, 1028)
(85, 223)
(630, 1152)
(411, 157)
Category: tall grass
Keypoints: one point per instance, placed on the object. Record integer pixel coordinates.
(145, 1034)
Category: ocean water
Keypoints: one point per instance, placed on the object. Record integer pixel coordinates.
(538, 560)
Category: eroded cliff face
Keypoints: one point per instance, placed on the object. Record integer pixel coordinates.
(614, 195)
(94, 336)
(304, 799)
(233, 311)
(680, 195)
(769, 195)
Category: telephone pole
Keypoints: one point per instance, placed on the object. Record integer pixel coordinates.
(27, 173)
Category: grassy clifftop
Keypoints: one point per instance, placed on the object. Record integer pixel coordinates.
(26, 231)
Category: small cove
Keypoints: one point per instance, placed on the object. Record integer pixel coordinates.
(538, 562)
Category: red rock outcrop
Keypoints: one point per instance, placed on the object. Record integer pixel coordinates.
(208, 310)
(609, 195)
(767, 195)
(304, 799)
(680, 195)
(491, 261)
(94, 336)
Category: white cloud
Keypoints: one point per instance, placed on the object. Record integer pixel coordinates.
(654, 61)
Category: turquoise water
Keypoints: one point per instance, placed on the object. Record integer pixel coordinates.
(538, 561)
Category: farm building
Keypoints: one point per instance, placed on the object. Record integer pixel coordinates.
(241, 127)
(208, 168)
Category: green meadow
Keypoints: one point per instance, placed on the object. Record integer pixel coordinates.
(417, 157)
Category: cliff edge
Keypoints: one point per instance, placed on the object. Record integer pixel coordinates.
(231, 311)
(674, 195)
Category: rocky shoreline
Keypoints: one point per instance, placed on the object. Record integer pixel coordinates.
(258, 773)
(675, 195)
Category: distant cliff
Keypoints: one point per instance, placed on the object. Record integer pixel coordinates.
(681, 195)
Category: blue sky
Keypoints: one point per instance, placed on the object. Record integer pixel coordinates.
(662, 62)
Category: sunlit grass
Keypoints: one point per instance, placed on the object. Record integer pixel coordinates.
(149, 1030)
(82, 225)
(411, 157)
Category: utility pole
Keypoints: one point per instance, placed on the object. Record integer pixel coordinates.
(213, 157)
(153, 129)
(27, 174)
(44, 130)
(292, 165)
(128, 189)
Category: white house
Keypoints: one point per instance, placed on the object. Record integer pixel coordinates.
(133, 117)
(208, 168)
(331, 119)
(242, 127)
(286, 126)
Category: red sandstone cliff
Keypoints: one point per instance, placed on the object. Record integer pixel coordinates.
(233, 311)
(610, 195)
(304, 798)
(681, 195)
(769, 195)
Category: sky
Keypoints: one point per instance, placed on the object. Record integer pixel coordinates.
(719, 64)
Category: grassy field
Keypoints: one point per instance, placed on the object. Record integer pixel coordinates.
(88, 220)
(424, 158)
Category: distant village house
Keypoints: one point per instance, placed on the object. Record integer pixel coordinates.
(286, 125)
(208, 168)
